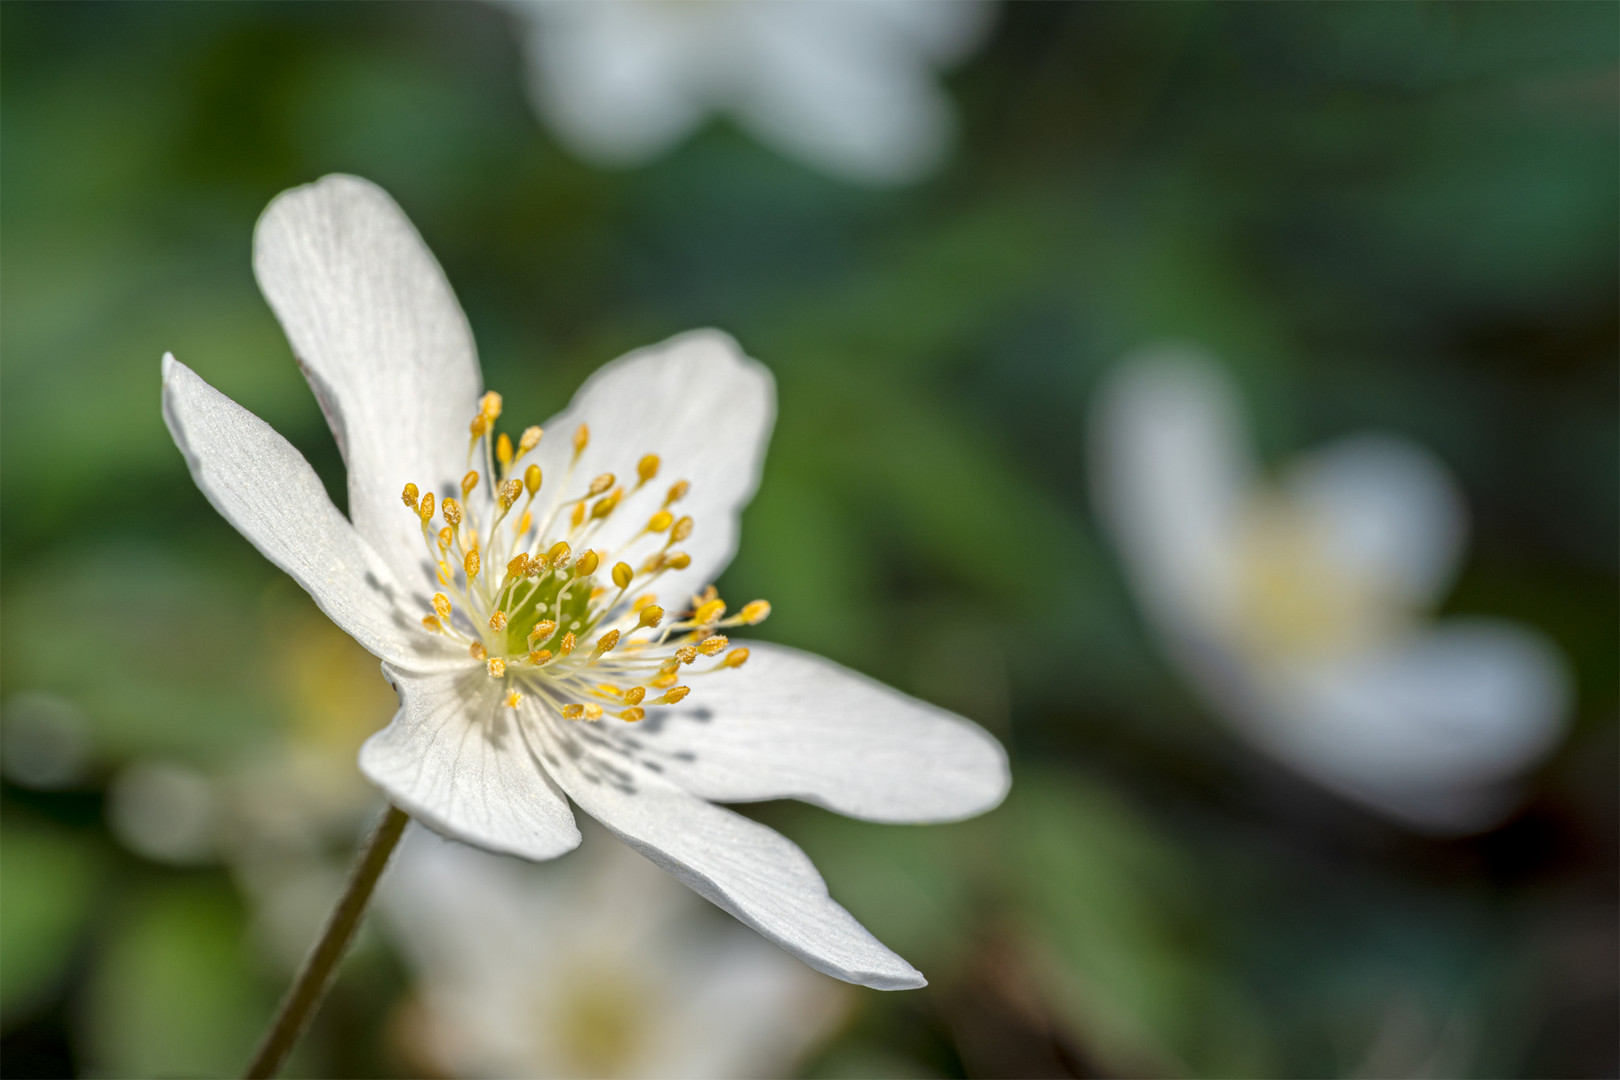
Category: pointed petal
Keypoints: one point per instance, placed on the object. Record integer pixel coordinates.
(262, 485)
(740, 865)
(700, 404)
(1390, 511)
(788, 724)
(1171, 468)
(383, 343)
(458, 760)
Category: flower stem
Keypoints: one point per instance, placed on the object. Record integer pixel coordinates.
(321, 964)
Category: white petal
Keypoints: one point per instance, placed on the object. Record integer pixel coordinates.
(458, 760)
(706, 410)
(262, 485)
(1389, 511)
(1419, 726)
(1171, 467)
(788, 724)
(384, 345)
(740, 865)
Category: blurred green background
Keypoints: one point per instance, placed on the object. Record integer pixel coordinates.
(1400, 216)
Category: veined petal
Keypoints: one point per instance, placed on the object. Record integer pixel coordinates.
(740, 865)
(262, 485)
(458, 760)
(1461, 707)
(1171, 467)
(788, 724)
(1388, 511)
(706, 410)
(383, 343)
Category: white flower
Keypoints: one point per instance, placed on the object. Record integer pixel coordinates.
(844, 87)
(522, 629)
(599, 967)
(1301, 609)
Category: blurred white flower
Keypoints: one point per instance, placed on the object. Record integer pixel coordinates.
(848, 88)
(526, 680)
(596, 967)
(1301, 609)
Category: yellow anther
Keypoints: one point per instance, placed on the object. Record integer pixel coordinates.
(643, 601)
(441, 604)
(514, 699)
(510, 492)
(608, 640)
(518, 565)
(605, 505)
(587, 564)
(469, 482)
(582, 439)
(577, 518)
(600, 484)
(755, 612)
(542, 630)
(476, 651)
(479, 427)
(660, 521)
(709, 612)
(497, 667)
(470, 564)
(634, 695)
(652, 615)
(559, 552)
(539, 564)
(609, 690)
(524, 522)
(677, 560)
(566, 645)
(735, 658)
(446, 535)
(682, 529)
(633, 715)
(593, 711)
(445, 573)
(686, 653)
(503, 449)
(528, 440)
(410, 495)
(662, 680)
(490, 405)
(430, 623)
(573, 712)
(531, 478)
(677, 492)
(710, 646)
(497, 621)
(647, 468)
(623, 575)
(451, 512)
(654, 563)
(540, 656)
(673, 695)
(424, 509)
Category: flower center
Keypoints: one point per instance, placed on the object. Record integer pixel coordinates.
(546, 612)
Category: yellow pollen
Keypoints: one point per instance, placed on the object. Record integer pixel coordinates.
(430, 623)
(623, 575)
(587, 564)
(710, 646)
(503, 449)
(489, 406)
(476, 651)
(528, 440)
(709, 613)
(633, 715)
(441, 604)
(446, 535)
(452, 513)
(573, 712)
(677, 492)
(559, 552)
(755, 612)
(662, 680)
(542, 630)
(518, 565)
(540, 656)
(652, 615)
(497, 621)
(686, 653)
(497, 667)
(582, 439)
(634, 695)
(678, 560)
(674, 695)
(566, 645)
(735, 658)
(605, 645)
(647, 467)
(424, 509)
(600, 484)
(469, 482)
(510, 492)
(513, 699)
(660, 521)
(531, 478)
(682, 529)
(470, 564)
(593, 711)
(410, 495)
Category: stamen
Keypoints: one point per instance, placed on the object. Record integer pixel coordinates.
(446, 536)
(489, 406)
(709, 613)
(518, 566)
(470, 565)
(430, 623)
(424, 509)
(573, 712)
(566, 645)
(451, 512)
(606, 644)
(476, 651)
(410, 495)
(623, 575)
(606, 505)
(600, 484)
(559, 552)
(677, 491)
(582, 439)
(593, 711)
(651, 615)
(660, 521)
(682, 529)
(587, 564)
(528, 440)
(647, 468)
(513, 699)
(441, 604)
(497, 621)
(674, 695)
(686, 653)
(540, 656)
(633, 715)
(503, 450)
(736, 658)
(542, 630)
(531, 477)
(634, 695)
(469, 482)
(678, 560)
(712, 646)
(510, 492)
(497, 667)
(755, 612)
